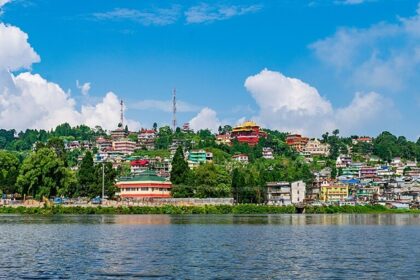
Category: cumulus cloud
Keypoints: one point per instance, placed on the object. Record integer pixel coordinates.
(164, 105)
(2, 3)
(161, 16)
(205, 119)
(385, 56)
(350, 2)
(84, 88)
(289, 104)
(15, 51)
(29, 101)
(203, 12)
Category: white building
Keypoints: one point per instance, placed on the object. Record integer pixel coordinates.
(285, 193)
(267, 153)
(315, 148)
(298, 192)
(242, 158)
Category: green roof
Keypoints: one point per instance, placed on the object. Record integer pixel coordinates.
(147, 175)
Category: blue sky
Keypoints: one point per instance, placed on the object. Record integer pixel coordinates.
(346, 64)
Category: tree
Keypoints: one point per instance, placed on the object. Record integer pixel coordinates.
(126, 129)
(42, 174)
(336, 132)
(211, 180)
(9, 171)
(155, 126)
(58, 145)
(180, 170)
(110, 174)
(85, 175)
(238, 183)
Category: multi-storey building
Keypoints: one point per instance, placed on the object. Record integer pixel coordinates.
(118, 133)
(124, 146)
(103, 144)
(368, 172)
(146, 139)
(242, 158)
(285, 193)
(278, 193)
(248, 132)
(144, 185)
(334, 193)
(314, 147)
(267, 153)
(343, 161)
(223, 139)
(297, 142)
(196, 157)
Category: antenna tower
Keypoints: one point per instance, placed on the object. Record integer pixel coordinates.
(174, 110)
(122, 113)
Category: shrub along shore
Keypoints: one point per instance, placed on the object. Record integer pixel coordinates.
(207, 209)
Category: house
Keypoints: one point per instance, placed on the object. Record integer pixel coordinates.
(296, 142)
(118, 133)
(242, 158)
(297, 192)
(343, 161)
(285, 193)
(223, 139)
(146, 139)
(196, 157)
(334, 193)
(363, 139)
(278, 193)
(267, 153)
(314, 147)
(124, 146)
(146, 184)
(102, 144)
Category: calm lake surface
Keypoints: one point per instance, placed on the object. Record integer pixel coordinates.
(210, 247)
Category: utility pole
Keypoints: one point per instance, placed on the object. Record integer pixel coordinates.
(103, 180)
(174, 110)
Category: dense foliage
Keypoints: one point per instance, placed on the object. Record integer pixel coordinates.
(36, 163)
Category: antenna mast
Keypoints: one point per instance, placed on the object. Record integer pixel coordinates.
(122, 113)
(174, 110)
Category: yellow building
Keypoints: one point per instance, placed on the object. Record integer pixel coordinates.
(334, 193)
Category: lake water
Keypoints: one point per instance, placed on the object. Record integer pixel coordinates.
(210, 247)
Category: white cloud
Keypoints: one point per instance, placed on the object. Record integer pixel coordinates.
(2, 3)
(385, 56)
(29, 101)
(289, 104)
(208, 13)
(106, 114)
(84, 88)
(15, 51)
(164, 105)
(350, 2)
(205, 119)
(162, 16)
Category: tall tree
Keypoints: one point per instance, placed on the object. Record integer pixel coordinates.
(9, 171)
(86, 175)
(42, 174)
(180, 170)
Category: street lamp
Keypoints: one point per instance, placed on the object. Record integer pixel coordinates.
(103, 180)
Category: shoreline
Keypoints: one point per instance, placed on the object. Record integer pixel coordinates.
(206, 209)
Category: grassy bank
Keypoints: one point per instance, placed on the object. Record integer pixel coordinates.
(167, 209)
(367, 209)
(208, 209)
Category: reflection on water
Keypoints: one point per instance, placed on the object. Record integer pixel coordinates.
(210, 246)
(282, 219)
